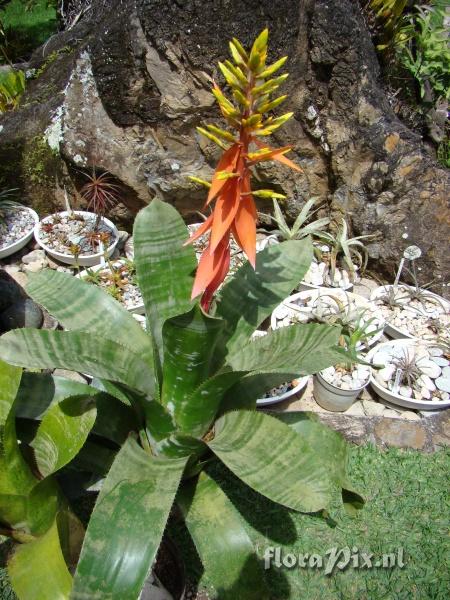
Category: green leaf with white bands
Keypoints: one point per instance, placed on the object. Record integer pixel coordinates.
(244, 394)
(331, 447)
(189, 343)
(303, 349)
(165, 268)
(80, 306)
(273, 460)
(38, 570)
(77, 351)
(39, 392)
(219, 534)
(251, 295)
(136, 496)
(199, 411)
(62, 433)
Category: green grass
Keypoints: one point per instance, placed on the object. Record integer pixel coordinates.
(407, 506)
(26, 29)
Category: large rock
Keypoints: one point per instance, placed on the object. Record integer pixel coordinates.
(131, 81)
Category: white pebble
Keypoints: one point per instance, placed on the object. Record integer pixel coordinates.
(443, 383)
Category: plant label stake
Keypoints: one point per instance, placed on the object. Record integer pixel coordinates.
(398, 377)
(410, 253)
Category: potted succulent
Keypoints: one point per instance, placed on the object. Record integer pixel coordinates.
(337, 387)
(337, 307)
(17, 223)
(82, 238)
(184, 394)
(338, 259)
(412, 373)
(300, 229)
(117, 278)
(412, 311)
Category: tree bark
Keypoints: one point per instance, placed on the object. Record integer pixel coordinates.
(127, 85)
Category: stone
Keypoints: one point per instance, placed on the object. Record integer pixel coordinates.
(443, 383)
(123, 237)
(430, 368)
(440, 361)
(23, 313)
(405, 391)
(34, 256)
(390, 413)
(356, 409)
(395, 432)
(373, 409)
(410, 415)
(34, 267)
(427, 382)
(386, 373)
(435, 351)
(425, 393)
(446, 372)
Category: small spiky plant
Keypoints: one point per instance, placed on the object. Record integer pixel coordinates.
(410, 371)
(100, 192)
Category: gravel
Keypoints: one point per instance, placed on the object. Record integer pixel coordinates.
(18, 222)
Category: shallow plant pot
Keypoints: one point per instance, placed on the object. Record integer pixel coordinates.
(393, 331)
(23, 241)
(69, 259)
(314, 293)
(333, 398)
(139, 308)
(301, 383)
(303, 286)
(397, 399)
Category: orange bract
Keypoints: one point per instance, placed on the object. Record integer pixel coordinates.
(234, 211)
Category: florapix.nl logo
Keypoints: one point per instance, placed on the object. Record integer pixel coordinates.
(333, 559)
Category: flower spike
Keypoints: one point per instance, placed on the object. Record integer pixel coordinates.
(234, 213)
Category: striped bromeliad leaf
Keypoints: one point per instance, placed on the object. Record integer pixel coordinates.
(222, 542)
(251, 295)
(301, 349)
(79, 306)
(77, 351)
(273, 460)
(331, 447)
(136, 497)
(164, 266)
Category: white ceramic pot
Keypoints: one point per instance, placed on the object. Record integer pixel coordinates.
(397, 399)
(301, 383)
(290, 304)
(303, 286)
(391, 330)
(334, 398)
(138, 309)
(83, 261)
(23, 241)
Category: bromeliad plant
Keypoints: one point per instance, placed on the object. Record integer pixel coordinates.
(186, 392)
(251, 83)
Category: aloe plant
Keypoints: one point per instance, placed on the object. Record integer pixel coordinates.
(300, 228)
(188, 388)
(346, 248)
